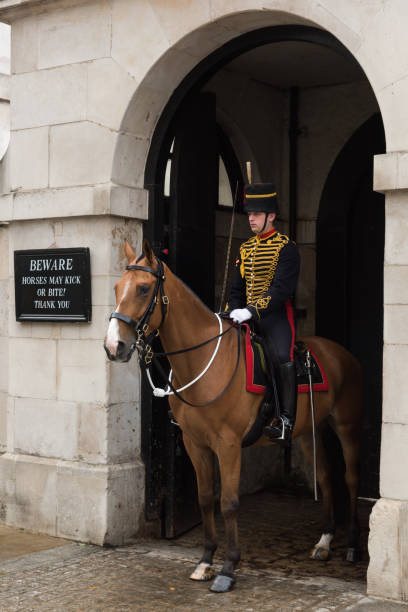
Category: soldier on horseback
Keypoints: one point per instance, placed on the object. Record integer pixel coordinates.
(267, 271)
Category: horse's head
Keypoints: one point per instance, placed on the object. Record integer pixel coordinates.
(134, 294)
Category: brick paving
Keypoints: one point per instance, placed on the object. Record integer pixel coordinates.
(153, 574)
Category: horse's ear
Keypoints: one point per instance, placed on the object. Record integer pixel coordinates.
(148, 251)
(129, 252)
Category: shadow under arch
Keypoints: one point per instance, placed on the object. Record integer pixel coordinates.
(166, 448)
(349, 273)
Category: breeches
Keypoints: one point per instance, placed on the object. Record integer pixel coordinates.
(278, 329)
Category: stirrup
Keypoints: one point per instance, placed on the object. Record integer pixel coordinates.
(283, 432)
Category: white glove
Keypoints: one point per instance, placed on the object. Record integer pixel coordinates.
(239, 315)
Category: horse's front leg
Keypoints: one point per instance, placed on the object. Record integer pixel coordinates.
(203, 462)
(229, 457)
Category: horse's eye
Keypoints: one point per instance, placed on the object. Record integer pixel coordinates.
(143, 289)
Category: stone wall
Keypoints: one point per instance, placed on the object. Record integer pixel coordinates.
(89, 83)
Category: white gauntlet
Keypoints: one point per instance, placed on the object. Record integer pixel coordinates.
(239, 315)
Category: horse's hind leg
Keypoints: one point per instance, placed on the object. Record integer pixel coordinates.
(203, 462)
(350, 440)
(229, 457)
(321, 550)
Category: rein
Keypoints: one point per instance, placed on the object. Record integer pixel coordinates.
(143, 343)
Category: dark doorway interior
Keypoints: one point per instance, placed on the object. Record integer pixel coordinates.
(182, 178)
(349, 292)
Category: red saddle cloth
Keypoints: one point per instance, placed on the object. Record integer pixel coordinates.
(256, 367)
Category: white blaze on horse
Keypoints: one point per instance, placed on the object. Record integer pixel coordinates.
(149, 297)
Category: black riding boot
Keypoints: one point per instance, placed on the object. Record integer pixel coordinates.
(281, 431)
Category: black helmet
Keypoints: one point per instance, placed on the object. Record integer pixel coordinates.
(261, 197)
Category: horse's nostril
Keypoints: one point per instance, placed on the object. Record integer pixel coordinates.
(121, 348)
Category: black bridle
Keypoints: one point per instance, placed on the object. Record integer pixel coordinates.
(143, 342)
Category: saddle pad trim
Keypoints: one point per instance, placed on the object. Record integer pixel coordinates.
(323, 386)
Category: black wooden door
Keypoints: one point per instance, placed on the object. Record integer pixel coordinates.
(349, 294)
(187, 230)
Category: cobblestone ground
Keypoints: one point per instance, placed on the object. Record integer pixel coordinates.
(153, 575)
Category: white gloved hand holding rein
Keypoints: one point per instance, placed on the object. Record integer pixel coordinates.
(239, 315)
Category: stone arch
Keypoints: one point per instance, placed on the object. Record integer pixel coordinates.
(160, 87)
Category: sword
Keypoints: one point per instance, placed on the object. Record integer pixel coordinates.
(224, 285)
(309, 373)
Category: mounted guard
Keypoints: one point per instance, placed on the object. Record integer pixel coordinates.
(266, 275)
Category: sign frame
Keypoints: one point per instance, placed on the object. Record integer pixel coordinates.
(81, 310)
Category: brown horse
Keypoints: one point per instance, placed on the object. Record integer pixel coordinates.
(150, 294)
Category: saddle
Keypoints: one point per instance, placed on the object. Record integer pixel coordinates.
(257, 378)
(257, 375)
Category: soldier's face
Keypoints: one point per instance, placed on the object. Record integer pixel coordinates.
(257, 222)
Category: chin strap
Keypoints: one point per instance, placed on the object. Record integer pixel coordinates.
(264, 225)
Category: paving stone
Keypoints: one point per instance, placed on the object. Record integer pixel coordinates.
(275, 573)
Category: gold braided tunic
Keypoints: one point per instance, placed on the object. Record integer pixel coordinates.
(259, 259)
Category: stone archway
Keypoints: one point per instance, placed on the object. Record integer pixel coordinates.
(132, 146)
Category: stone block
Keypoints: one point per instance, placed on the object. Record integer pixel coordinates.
(35, 495)
(127, 202)
(5, 178)
(47, 97)
(24, 45)
(38, 234)
(124, 381)
(96, 329)
(82, 367)
(392, 104)
(6, 206)
(143, 111)
(92, 433)
(394, 441)
(4, 361)
(396, 228)
(32, 368)
(46, 330)
(3, 422)
(74, 34)
(17, 329)
(395, 384)
(107, 106)
(387, 575)
(396, 284)
(10, 424)
(123, 432)
(136, 53)
(7, 484)
(4, 284)
(125, 503)
(4, 122)
(4, 251)
(195, 15)
(130, 160)
(82, 501)
(29, 159)
(46, 428)
(385, 172)
(103, 290)
(396, 324)
(81, 153)
(46, 204)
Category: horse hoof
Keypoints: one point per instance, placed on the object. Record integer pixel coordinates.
(222, 584)
(203, 572)
(353, 555)
(320, 554)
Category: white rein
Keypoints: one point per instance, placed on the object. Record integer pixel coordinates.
(158, 392)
